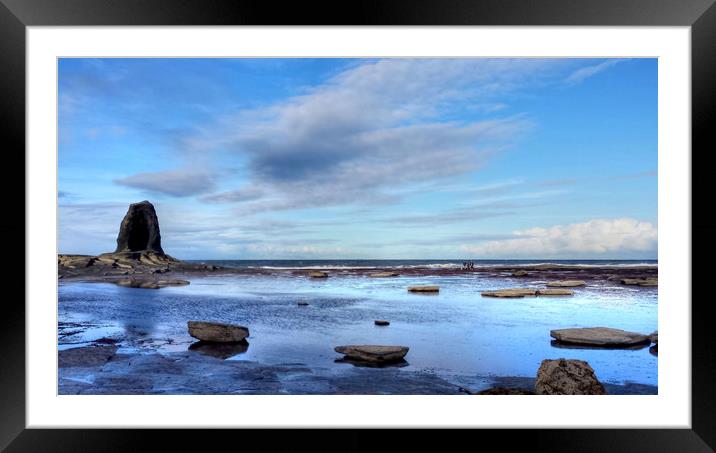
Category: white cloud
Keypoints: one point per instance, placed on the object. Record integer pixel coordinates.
(600, 237)
(583, 73)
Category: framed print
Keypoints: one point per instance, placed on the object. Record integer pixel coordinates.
(417, 216)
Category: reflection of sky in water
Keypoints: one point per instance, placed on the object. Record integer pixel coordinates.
(456, 332)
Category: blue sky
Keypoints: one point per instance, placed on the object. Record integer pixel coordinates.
(363, 158)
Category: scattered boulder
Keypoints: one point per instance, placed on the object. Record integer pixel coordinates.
(215, 332)
(384, 274)
(381, 322)
(373, 353)
(640, 281)
(302, 304)
(317, 274)
(518, 274)
(654, 350)
(555, 292)
(511, 292)
(504, 391)
(424, 289)
(599, 336)
(566, 283)
(567, 377)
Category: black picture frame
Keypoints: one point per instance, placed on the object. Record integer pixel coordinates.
(16, 15)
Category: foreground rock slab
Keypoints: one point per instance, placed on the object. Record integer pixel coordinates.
(373, 353)
(567, 377)
(599, 336)
(424, 289)
(215, 332)
(566, 283)
(86, 356)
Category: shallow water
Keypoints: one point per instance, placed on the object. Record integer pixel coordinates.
(456, 334)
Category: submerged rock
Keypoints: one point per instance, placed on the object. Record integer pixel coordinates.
(373, 353)
(216, 332)
(567, 377)
(424, 289)
(566, 283)
(381, 322)
(520, 274)
(511, 292)
(302, 304)
(599, 336)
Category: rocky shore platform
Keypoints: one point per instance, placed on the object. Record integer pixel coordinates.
(102, 369)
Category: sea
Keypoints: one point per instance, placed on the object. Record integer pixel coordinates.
(456, 334)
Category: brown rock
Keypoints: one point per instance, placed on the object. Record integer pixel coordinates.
(567, 377)
(512, 292)
(654, 337)
(373, 353)
(640, 281)
(317, 274)
(554, 292)
(424, 289)
(599, 336)
(566, 283)
(216, 332)
(518, 274)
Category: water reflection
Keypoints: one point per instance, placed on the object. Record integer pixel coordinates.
(360, 363)
(220, 350)
(560, 345)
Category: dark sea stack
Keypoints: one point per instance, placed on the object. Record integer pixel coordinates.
(139, 230)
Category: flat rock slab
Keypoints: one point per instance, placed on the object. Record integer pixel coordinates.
(640, 281)
(520, 274)
(555, 292)
(567, 377)
(215, 332)
(566, 283)
(384, 274)
(87, 356)
(149, 283)
(654, 337)
(373, 353)
(424, 289)
(512, 292)
(317, 274)
(599, 336)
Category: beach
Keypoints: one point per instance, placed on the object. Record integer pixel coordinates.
(459, 341)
